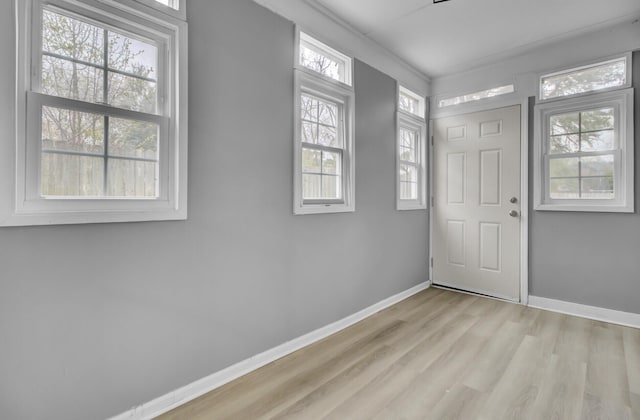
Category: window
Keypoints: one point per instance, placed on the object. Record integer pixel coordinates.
(476, 96)
(324, 60)
(324, 170)
(584, 153)
(410, 152)
(600, 76)
(411, 102)
(100, 110)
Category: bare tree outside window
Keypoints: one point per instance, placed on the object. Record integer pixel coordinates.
(321, 149)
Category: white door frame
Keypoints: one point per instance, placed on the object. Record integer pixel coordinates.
(524, 181)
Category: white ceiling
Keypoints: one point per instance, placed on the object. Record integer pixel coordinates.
(457, 35)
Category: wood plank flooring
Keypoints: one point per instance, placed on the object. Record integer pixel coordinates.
(444, 355)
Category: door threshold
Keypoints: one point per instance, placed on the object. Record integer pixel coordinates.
(467, 292)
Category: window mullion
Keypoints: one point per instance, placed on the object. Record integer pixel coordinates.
(105, 67)
(579, 158)
(105, 137)
(105, 98)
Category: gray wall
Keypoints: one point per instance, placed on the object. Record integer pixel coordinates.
(589, 258)
(95, 319)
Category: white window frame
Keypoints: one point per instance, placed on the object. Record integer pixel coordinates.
(420, 113)
(24, 204)
(319, 85)
(622, 102)
(568, 70)
(411, 122)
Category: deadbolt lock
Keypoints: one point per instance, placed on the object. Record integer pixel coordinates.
(513, 200)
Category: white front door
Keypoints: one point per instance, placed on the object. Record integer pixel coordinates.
(476, 214)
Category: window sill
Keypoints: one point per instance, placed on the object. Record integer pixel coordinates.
(85, 217)
(410, 206)
(594, 208)
(323, 208)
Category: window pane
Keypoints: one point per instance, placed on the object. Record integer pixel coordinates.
(597, 165)
(311, 160)
(598, 188)
(408, 138)
(565, 123)
(408, 173)
(68, 79)
(408, 145)
(328, 114)
(564, 144)
(331, 187)
(321, 63)
(318, 187)
(598, 119)
(133, 138)
(309, 132)
(174, 4)
(564, 188)
(311, 186)
(308, 108)
(132, 178)
(327, 136)
(132, 93)
(409, 104)
(72, 38)
(407, 155)
(65, 175)
(598, 141)
(331, 163)
(63, 129)
(408, 191)
(476, 96)
(565, 167)
(132, 56)
(597, 77)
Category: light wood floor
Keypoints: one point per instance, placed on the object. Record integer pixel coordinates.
(445, 355)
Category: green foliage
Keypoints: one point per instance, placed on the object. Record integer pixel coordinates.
(582, 176)
(594, 78)
(73, 66)
(77, 40)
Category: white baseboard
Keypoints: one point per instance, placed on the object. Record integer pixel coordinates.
(200, 387)
(627, 319)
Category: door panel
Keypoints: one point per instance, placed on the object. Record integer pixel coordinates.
(456, 179)
(455, 242)
(476, 242)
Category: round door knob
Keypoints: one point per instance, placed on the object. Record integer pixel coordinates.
(513, 213)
